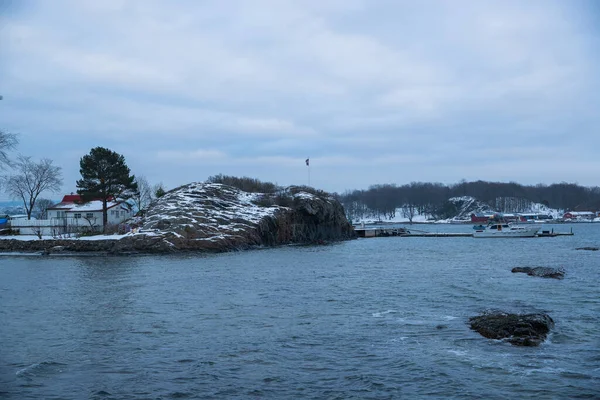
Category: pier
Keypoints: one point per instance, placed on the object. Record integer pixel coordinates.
(403, 232)
(551, 233)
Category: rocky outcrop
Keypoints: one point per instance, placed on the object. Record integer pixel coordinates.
(517, 329)
(542, 272)
(216, 218)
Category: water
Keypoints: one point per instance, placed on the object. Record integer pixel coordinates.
(367, 319)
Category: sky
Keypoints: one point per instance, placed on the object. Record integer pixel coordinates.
(372, 91)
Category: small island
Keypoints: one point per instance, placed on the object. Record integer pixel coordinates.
(213, 217)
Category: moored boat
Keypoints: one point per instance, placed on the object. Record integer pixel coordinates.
(505, 230)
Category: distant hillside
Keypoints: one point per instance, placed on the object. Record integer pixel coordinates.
(14, 207)
(5, 204)
(436, 201)
(465, 206)
(11, 208)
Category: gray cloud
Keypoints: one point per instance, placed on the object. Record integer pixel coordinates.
(373, 91)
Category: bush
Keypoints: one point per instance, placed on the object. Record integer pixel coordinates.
(308, 189)
(284, 200)
(250, 185)
(264, 201)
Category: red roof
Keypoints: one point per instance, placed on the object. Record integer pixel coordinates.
(75, 198)
(69, 201)
(71, 198)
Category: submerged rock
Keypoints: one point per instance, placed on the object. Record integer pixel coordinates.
(517, 329)
(588, 248)
(542, 272)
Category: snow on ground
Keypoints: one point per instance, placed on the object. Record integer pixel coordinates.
(211, 211)
(33, 237)
(397, 219)
(234, 205)
(25, 237)
(94, 237)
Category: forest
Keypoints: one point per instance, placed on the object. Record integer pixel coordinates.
(383, 201)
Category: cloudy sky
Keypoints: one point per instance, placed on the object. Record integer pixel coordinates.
(373, 91)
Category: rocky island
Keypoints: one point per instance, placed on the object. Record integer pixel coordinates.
(517, 329)
(212, 217)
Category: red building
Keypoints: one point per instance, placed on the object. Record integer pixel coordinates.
(480, 217)
(579, 215)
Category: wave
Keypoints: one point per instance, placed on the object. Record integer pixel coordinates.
(39, 368)
(382, 313)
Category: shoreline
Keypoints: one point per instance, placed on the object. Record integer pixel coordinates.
(126, 246)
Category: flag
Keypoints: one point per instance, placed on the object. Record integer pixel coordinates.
(307, 162)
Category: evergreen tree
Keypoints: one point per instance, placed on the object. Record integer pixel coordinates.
(105, 176)
(159, 190)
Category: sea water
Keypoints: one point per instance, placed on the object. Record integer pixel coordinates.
(368, 319)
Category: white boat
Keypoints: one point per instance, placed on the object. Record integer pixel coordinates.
(505, 230)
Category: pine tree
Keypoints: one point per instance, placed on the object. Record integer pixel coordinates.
(105, 176)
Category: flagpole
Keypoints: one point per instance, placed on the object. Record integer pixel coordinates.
(308, 165)
(308, 172)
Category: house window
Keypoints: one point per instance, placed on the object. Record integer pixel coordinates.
(77, 215)
(60, 214)
(112, 212)
(89, 215)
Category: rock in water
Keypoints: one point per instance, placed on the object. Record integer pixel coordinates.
(588, 248)
(542, 272)
(517, 329)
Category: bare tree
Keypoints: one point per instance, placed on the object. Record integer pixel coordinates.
(8, 141)
(31, 179)
(40, 210)
(144, 194)
(38, 230)
(92, 222)
(409, 211)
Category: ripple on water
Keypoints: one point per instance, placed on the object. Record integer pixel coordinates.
(379, 318)
(41, 369)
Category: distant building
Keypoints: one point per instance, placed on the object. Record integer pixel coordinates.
(579, 215)
(536, 217)
(481, 217)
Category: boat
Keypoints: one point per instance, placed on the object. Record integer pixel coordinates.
(505, 230)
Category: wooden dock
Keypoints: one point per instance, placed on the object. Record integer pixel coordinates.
(554, 234)
(403, 232)
(438, 234)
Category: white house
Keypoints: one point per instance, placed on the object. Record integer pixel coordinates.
(73, 212)
(71, 216)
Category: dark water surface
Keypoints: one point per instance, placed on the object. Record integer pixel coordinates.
(371, 318)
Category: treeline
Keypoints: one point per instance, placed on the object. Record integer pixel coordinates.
(383, 201)
(272, 194)
(250, 185)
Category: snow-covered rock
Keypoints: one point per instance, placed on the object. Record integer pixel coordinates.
(212, 216)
